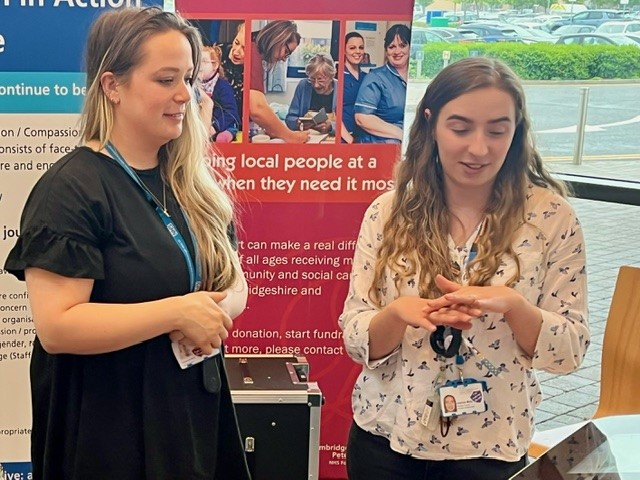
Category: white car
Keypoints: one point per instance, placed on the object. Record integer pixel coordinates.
(532, 35)
(596, 39)
(568, 29)
(616, 26)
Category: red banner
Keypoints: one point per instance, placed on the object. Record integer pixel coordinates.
(319, 173)
(330, 9)
(301, 205)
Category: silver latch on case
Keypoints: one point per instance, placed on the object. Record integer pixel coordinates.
(249, 444)
(244, 368)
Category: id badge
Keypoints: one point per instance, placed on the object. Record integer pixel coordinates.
(186, 356)
(461, 397)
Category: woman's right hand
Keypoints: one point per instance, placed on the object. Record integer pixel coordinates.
(388, 327)
(415, 311)
(201, 320)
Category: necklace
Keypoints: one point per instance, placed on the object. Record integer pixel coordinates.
(164, 198)
(162, 204)
(116, 156)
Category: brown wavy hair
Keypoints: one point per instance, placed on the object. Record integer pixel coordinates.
(415, 236)
(273, 36)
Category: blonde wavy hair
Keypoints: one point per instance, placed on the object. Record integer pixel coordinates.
(115, 45)
(416, 234)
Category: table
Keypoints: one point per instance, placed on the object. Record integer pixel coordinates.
(606, 448)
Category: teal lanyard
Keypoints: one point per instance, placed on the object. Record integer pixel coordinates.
(195, 277)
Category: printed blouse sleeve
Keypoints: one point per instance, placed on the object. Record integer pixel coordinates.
(369, 95)
(358, 307)
(61, 226)
(564, 337)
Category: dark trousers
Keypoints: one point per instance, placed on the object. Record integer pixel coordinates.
(369, 457)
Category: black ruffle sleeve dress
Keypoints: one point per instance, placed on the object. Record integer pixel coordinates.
(132, 413)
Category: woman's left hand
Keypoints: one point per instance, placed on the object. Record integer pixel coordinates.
(496, 299)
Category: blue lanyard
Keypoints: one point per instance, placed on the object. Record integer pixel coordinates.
(195, 277)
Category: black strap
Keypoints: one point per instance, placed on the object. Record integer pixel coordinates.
(446, 341)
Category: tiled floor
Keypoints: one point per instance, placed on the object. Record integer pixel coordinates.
(611, 233)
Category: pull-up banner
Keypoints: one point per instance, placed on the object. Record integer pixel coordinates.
(300, 205)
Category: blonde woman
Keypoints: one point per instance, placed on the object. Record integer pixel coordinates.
(466, 278)
(132, 274)
(233, 65)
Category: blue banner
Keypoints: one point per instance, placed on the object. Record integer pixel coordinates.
(49, 35)
(41, 92)
(15, 470)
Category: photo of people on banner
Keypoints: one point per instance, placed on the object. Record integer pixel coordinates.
(293, 91)
(221, 74)
(293, 81)
(376, 66)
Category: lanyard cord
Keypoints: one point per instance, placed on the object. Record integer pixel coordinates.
(446, 341)
(195, 277)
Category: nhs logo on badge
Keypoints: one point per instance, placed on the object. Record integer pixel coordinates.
(172, 229)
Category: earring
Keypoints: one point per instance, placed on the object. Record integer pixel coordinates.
(427, 114)
(114, 100)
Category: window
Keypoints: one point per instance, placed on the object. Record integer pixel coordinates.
(317, 37)
(608, 149)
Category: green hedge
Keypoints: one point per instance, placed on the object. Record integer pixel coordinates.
(542, 61)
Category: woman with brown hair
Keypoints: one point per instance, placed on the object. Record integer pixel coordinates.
(379, 106)
(466, 278)
(275, 42)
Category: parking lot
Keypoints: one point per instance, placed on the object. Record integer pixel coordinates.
(584, 27)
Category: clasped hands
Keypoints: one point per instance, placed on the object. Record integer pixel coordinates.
(202, 323)
(457, 307)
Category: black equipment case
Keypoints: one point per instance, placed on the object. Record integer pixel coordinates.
(278, 414)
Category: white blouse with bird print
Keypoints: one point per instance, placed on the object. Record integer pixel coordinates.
(390, 394)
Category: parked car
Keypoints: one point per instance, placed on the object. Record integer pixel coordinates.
(489, 33)
(569, 29)
(588, 17)
(635, 38)
(421, 36)
(619, 27)
(449, 34)
(529, 35)
(459, 17)
(595, 39)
